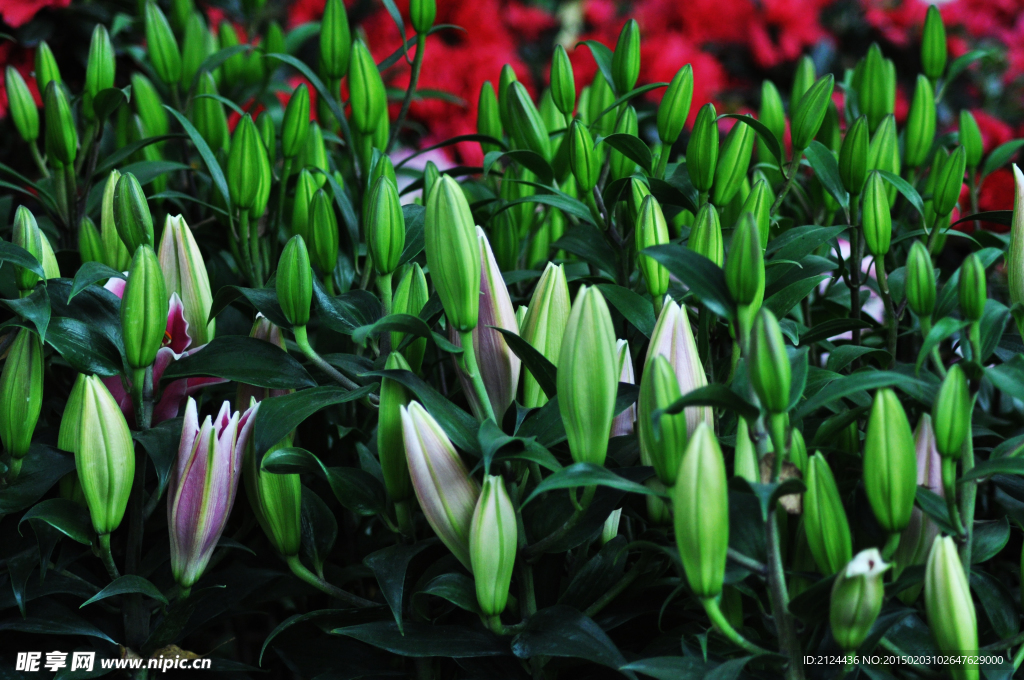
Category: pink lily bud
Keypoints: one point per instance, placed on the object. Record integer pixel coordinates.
(917, 538)
(185, 274)
(204, 482)
(262, 329)
(673, 339)
(446, 492)
(623, 423)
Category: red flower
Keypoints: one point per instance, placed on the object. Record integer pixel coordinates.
(16, 13)
(993, 131)
(996, 194)
(23, 61)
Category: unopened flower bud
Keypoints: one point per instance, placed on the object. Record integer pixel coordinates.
(920, 131)
(626, 58)
(600, 99)
(335, 40)
(876, 94)
(21, 393)
(366, 88)
(421, 14)
(488, 118)
(61, 133)
(268, 135)
(972, 290)
(933, 44)
(652, 230)
(744, 263)
(920, 284)
(295, 127)
(246, 161)
(745, 461)
(132, 218)
(773, 116)
(390, 441)
(803, 79)
(876, 217)
(305, 187)
(295, 282)
(149, 106)
(583, 160)
(970, 138)
(276, 500)
(162, 46)
(769, 364)
(544, 326)
(323, 231)
(853, 156)
(385, 226)
(673, 339)
(702, 149)
(623, 423)
(810, 112)
(706, 235)
(949, 181)
(620, 165)
(492, 545)
(675, 106)
(525, 125)
(830, 134)
(857, 597)
(453, 253)
(21, 105)
(661, 444)
(951, 413)
(733, 163)
(759, 204)
(29, 236)
(195, 48)
(1015, 253)
(185, 273)
(563, 83)
(505, 80)
(46, 67)
(890, 466)
(825, 524)
(144, 309)
(115, 253)
(208, 114)
(90, 244)
(949, 606)
(884, 152)
(410, 297)
(99, 70)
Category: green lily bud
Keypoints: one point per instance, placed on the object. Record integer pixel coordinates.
(162, 46)
(90, 244)
(29, 236)
(233, 70)
(305, 187)
(99, 70)
(622, 425)
(920, 280)
(61, 134)
(621, 165)
(105, 455)
(430, 176)
(385, 233)
(274, 40)
(970, 138)
(626, 58)
(652, 230)
(810, 112)
(611, 526)
(972, 290)
(890, 465)
(798, 451)
(675, 106)
(933, 44)
(673, 339)
(21, 394)
(195, 48)
(588, 377)
(276, 500)
(829, 133)
(600, 98)
(544, 326)
(22, 105)
(769, 364)
(744, 265)
(208, 114)
(268, 135)
(803, 79)
(422, 14)
(659, 510)
(144, 309)
(876, 216)
(638, 191)
(295, 128)
(1015, 252)
(46, 67)
(149, 107)
(366, 89)
(245, 165)
(563, 83)
(181, 12)
(745, 462)
(853, 156)
(920, 132)
(295, 282)
(505, 79)
(390, 443)
(131, 213)
(951, 413)
(706, 235)
(949, 607)
(492, 545)
(314, 155)
(949, 181)
(825, 524)
(115, 254)
(525, 125)
(857, 597)
(873, 87)
(733, 163)
(916, 540)
(410, 298)
(323, 231)
(774, 118)
(185, 273)
(381, 166)
(759, 204)
(661, 445)
(700, 502)
(335, 41)
(583, 160)
(488, 118)
(702, 149)
(884, 152)
(453, 253)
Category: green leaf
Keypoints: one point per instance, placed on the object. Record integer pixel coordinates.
(420, 640)
(414, 237)
(99, 175)
(783, 301)
(212, 166)
(993, 324)
(35, 309)
(716, 395)
(678, 190)
(224, 100)
(1000, 156)
(998, 604)
(264, 300)
(567, 204)
(458, 589)
(341, 199)
(327, 618)
(161, 443)
(538, 365)
(632, 147)
(934, 505)
(844, 355)
(84, 346)
(406, 323)
(278, 416)
(995, 466)
(960, 64)
(245, 360)
(356, 489)
(319, 529)
(762, 130)
(108, 100)
(638, 310)
(530, 160)
(17, 255)
(41, 468)
(485, 139)
(63, 515)
(390, 566)
(632, 94)
(48, 618)
(603, 56)
(826, 169)
(597, 576)
(564, 632)
(905, 188)
(1004, 217)
(324, 95)
(587, 242)
(848, 385)
(588, 474)
(132, 583)
(798, 242)
(91, 272)
(988, 539)
(349, 311)
(703, 277)
(216, 60)
(671, 667)
(941, 331)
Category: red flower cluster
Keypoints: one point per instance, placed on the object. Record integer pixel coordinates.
(17, 13)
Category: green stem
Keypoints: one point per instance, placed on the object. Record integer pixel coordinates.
(854, 266)
(13, 469)
(926, 328)
(384, 284)
(302, 340)
(747, 562)
(38, 158)
(71, 191)
(136, 616)
(623, 583)
(468, 361)
(107, 557)
(974, 336)
(243, 246)
(890, 310)
(968, 495)
(591, 202)
(1018, 658)
(722, 624)
(285, 171)
(794, 167)
(417, 65)
(778, 595)
(543, 544)
(949, 489)
(778, 426)
(406, 525)
(890, 547)
(659, 171)
(254, 247)
(295, 564)
(933, 237)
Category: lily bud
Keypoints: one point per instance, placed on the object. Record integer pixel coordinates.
(390, 441)
(920, 132)
(276, 500)
(702, 149)
(745, 460)
(335, 40)
(623, 423)
(583, 160)
(295, 282)
(305, 187)
(385, 226)
(949, 606)
(245, 164)
(444, 489)
(933, 44)
(733, 163)
(825, 523)
(588, 377)
(132, 218)
(853, 156)
(673, 339)
(21, 393)
(798, 451)
(29, 236)
(162, 46)
(46, 67)
(295, 127)
(488, 118)
(884, 152)
(208, 114)
(916, 540)
(149, 106)
(315, 153)
(972, 290)
(544, 326)
(621, 165)
(104, 455)
(115, 254)
(706, 235)
(661, 444)
(600, 99)
(262, 329)
(773, 116)
(1015, 253)
(829, 133)
(920, 280)
(144, 308)
(876, 95)
(952, 413)
(203, 485)
(453, 254)
(563, 82)
(366, 89)
(185, 273)
(492, 546)
(195, 48)
(970, 138)
(890, 467)
(410, 297)
(652, 230)
(611, 526)
(61, 133)
(876, 217)
(22, 105)
(430, 176)
(857, 597)
(803, 79)
(90, 244)
(422, 14)
(505, 79)
(525, 125)
(949, 181)
(810, 112)
(265, 125)
(769, 364)
(626, 58)
(744, 265)
(99, 70)
(700, 501)
(675, 106)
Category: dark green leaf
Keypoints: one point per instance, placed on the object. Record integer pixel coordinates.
(63, 515)
(346, 312)
(783, 301)
(405, 323)
(637, 310)
(563, 631)
(716, 395)
(567, 204)
(414, 218)
(630, 146)
(703, 277)
(603, 57)
(263, 299)
(216, 60)
(458, 589)
(17, 255)
(767, 136)
(41, 468)
(940, 332)
(161, 443)
(826, 169)
(216, 174)
(278, 416)
(246, 360)
(324, 94)
(998, 604)
(538, 365)
(390, 566)
(319, 529)
(632, 94)
(588, 474)
(107, 101)
(589, 243)
(1008, 377)
(988, 539)
(848, 385)
(48, 618)
(671, 667)
(420, 640)
(934, 506)
(1004, 217)
(118, 157)
(995, 466)
(531, 160)
(905, 188)
(844, 355)
(356, 489)
(84, 346)
(91, 272)
(132, 583)
(485, 139)
(1000, 156)
(797, 243)
(35, 309)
